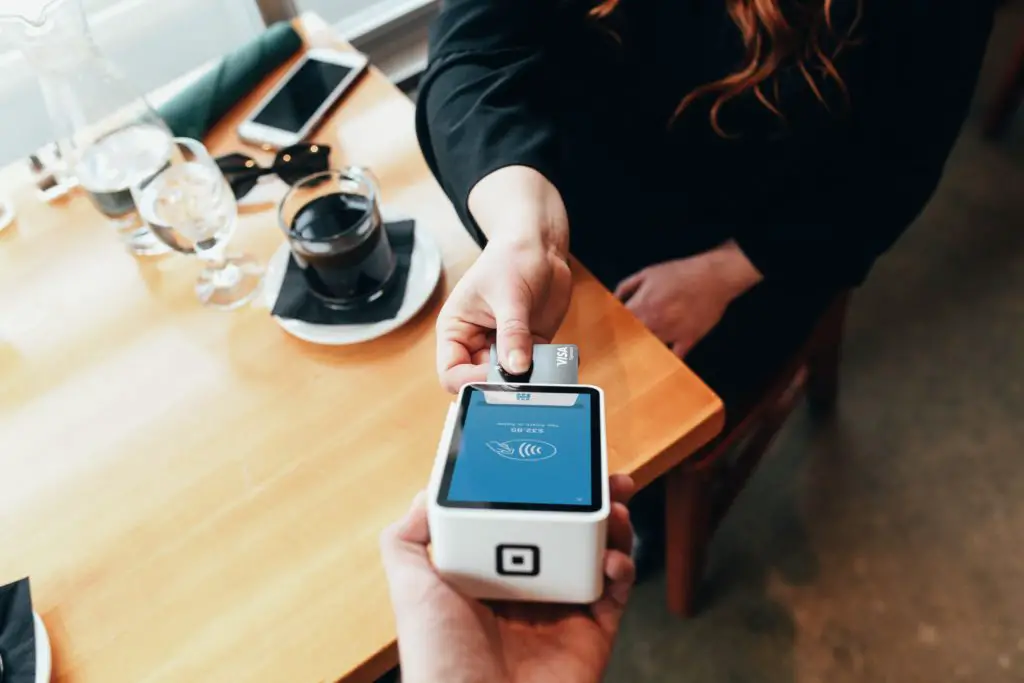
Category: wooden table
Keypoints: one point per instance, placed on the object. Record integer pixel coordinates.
(196, 495)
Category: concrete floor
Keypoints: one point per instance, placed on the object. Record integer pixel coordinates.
(889, 546)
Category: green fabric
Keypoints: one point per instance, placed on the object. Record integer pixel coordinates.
(196, 109)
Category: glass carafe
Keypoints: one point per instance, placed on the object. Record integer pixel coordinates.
(110, 137)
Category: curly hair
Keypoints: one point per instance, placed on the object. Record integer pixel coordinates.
(772, 39)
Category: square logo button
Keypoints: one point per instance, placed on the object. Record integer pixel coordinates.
(518, 560)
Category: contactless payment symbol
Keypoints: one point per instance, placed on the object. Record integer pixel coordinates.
(519, 449)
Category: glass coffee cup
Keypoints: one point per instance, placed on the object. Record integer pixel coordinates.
(336, 235)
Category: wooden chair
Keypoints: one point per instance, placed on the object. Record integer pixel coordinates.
(699, 491)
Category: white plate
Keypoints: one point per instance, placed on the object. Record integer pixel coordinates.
(424, 274)
(44, 657)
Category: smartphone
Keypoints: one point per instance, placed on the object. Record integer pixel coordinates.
(305, 94)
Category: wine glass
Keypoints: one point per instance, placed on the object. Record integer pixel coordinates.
(191, 197)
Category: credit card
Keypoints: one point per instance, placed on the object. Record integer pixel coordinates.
(552, 364)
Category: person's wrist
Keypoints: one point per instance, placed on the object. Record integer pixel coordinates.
(551, 236)
(737, 273)
(519, 207)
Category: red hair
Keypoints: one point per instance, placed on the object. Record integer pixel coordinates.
(771, 40)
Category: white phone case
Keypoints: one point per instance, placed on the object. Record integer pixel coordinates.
(261, 134)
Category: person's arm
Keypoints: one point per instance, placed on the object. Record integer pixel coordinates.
(926, 58)
(482, 105)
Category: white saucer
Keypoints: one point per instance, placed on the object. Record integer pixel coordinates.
(424, 274)
(44, 657)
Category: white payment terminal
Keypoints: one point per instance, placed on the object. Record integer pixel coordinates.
(518, 498)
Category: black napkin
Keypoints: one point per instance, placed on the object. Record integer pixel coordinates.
(297, 302)
(17, 633)
(196, 109)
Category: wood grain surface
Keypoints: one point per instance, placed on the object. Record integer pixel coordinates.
(197, 495)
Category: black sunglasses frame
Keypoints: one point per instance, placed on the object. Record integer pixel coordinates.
(291, 165)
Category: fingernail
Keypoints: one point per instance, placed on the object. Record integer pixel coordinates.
(518, 362)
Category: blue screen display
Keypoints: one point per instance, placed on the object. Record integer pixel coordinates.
(525, 453)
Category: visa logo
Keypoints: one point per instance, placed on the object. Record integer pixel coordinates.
(562, 356)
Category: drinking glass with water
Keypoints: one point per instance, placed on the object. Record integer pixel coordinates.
(191, 197)
(109, 137)
(109, 167)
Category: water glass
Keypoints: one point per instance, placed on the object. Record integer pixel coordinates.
(110, 165)
(191, 198)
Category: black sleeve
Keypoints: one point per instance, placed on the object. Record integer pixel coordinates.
(482, 99)
(926, 55)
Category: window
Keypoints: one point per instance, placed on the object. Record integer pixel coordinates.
(152, 41)
(155, 41)
(392, 32)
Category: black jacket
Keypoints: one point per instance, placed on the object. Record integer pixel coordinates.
(813, 197)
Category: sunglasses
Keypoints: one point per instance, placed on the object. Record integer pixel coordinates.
(291, 165)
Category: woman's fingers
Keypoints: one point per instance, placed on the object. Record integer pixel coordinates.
(649, 309)
(514, 338)
(641, 305)
(461, 352)
(627, 288)
(455, 338)
(454, 378)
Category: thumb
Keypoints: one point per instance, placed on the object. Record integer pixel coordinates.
(628, 287)
(408, 537)
(515, 341)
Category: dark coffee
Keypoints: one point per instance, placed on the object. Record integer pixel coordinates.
(343, 246)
